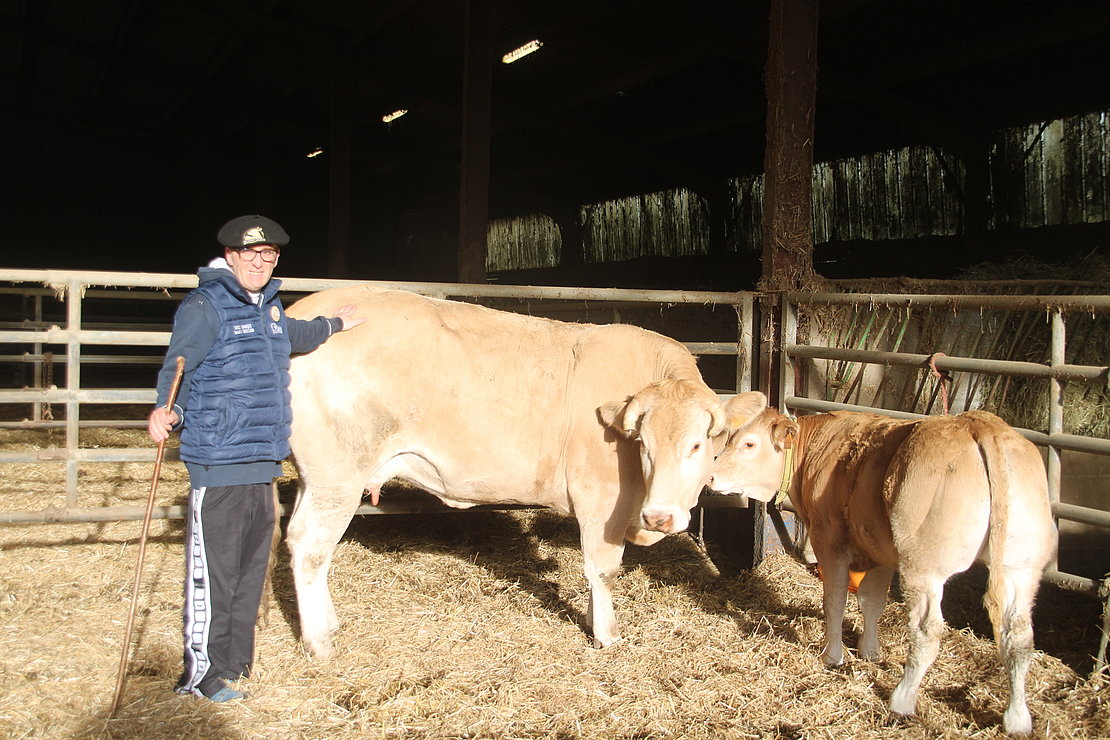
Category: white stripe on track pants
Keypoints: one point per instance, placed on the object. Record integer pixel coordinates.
(227, 552)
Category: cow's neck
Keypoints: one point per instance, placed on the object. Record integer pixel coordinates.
(809, 433)
(788, 468)
(807, 427)
(794, 451)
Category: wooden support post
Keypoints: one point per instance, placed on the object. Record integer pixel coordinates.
(568, 217)
(474, 185)
(975, 150)
(791, 85)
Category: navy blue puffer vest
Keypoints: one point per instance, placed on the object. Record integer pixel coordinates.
(239, 403)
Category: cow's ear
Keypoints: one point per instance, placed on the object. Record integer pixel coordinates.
(717, 422)
(634, 414)
(743, 407)
(616, 414)
(782, 430)
(719, 441)
(610, 413)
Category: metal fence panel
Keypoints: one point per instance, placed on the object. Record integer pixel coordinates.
(72, 332)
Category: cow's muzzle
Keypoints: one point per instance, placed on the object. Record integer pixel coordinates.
(659, 521)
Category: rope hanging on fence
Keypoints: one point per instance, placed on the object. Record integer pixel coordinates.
(943, 378)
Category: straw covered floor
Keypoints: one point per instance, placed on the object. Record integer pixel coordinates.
(469, 625)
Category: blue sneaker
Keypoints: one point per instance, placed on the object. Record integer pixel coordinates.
(227, 694)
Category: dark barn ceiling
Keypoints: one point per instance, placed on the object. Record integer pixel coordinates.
(127, 118)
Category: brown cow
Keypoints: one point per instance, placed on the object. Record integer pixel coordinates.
(926, 497)
(612, 424)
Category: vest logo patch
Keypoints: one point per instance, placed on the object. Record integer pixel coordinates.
(275, 313)
(240, 329)
(275, 328)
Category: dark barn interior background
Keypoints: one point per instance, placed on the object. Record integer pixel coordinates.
(135, 127)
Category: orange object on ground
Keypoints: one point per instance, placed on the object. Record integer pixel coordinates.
(854, 577)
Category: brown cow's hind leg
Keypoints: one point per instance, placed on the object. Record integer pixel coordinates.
(872, 600)
(926, 623)
(1013, 633)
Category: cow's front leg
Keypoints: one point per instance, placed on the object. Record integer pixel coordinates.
(872, 600)
(319, 520)
(602, 564)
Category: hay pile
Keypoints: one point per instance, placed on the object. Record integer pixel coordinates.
(996, 334)
(468, 625)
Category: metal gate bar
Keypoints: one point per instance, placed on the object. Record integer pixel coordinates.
(76, 287)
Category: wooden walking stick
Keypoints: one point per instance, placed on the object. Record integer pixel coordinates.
(142, 546)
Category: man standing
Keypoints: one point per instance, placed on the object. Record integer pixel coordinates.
(233, 408)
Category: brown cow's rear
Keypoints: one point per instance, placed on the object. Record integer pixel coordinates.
(926, 497)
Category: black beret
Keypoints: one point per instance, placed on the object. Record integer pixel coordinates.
(247, 231)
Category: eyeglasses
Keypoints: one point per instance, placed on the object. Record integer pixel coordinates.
(268, 255)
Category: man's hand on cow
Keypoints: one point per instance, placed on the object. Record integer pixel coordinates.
(346, 314)
(161, 422)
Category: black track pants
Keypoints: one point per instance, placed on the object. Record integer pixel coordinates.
(227, 551)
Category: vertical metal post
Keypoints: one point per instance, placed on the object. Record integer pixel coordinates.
(745, 343)
(788, 336)
(36, 410)
(75, 293)
(1100, 658)
(1056, 413)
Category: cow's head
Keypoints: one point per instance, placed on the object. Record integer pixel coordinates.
(754, 451)
(675, 423)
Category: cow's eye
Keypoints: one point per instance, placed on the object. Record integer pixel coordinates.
(697, 446)
(749, 445)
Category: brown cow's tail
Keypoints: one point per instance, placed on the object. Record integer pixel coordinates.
(999, 473)
(1014, 576)
(999, 480)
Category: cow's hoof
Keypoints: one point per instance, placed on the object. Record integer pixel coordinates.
(1017, 721)
(872, 655)
(319, 649)
(599, 643)
(897, 719)
(902, 706)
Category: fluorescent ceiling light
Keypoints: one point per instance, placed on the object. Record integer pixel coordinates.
(523, 51)
(315, 152)
(390, 117)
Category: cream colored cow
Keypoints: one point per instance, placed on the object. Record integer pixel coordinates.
(612, 424)
(926, 497)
